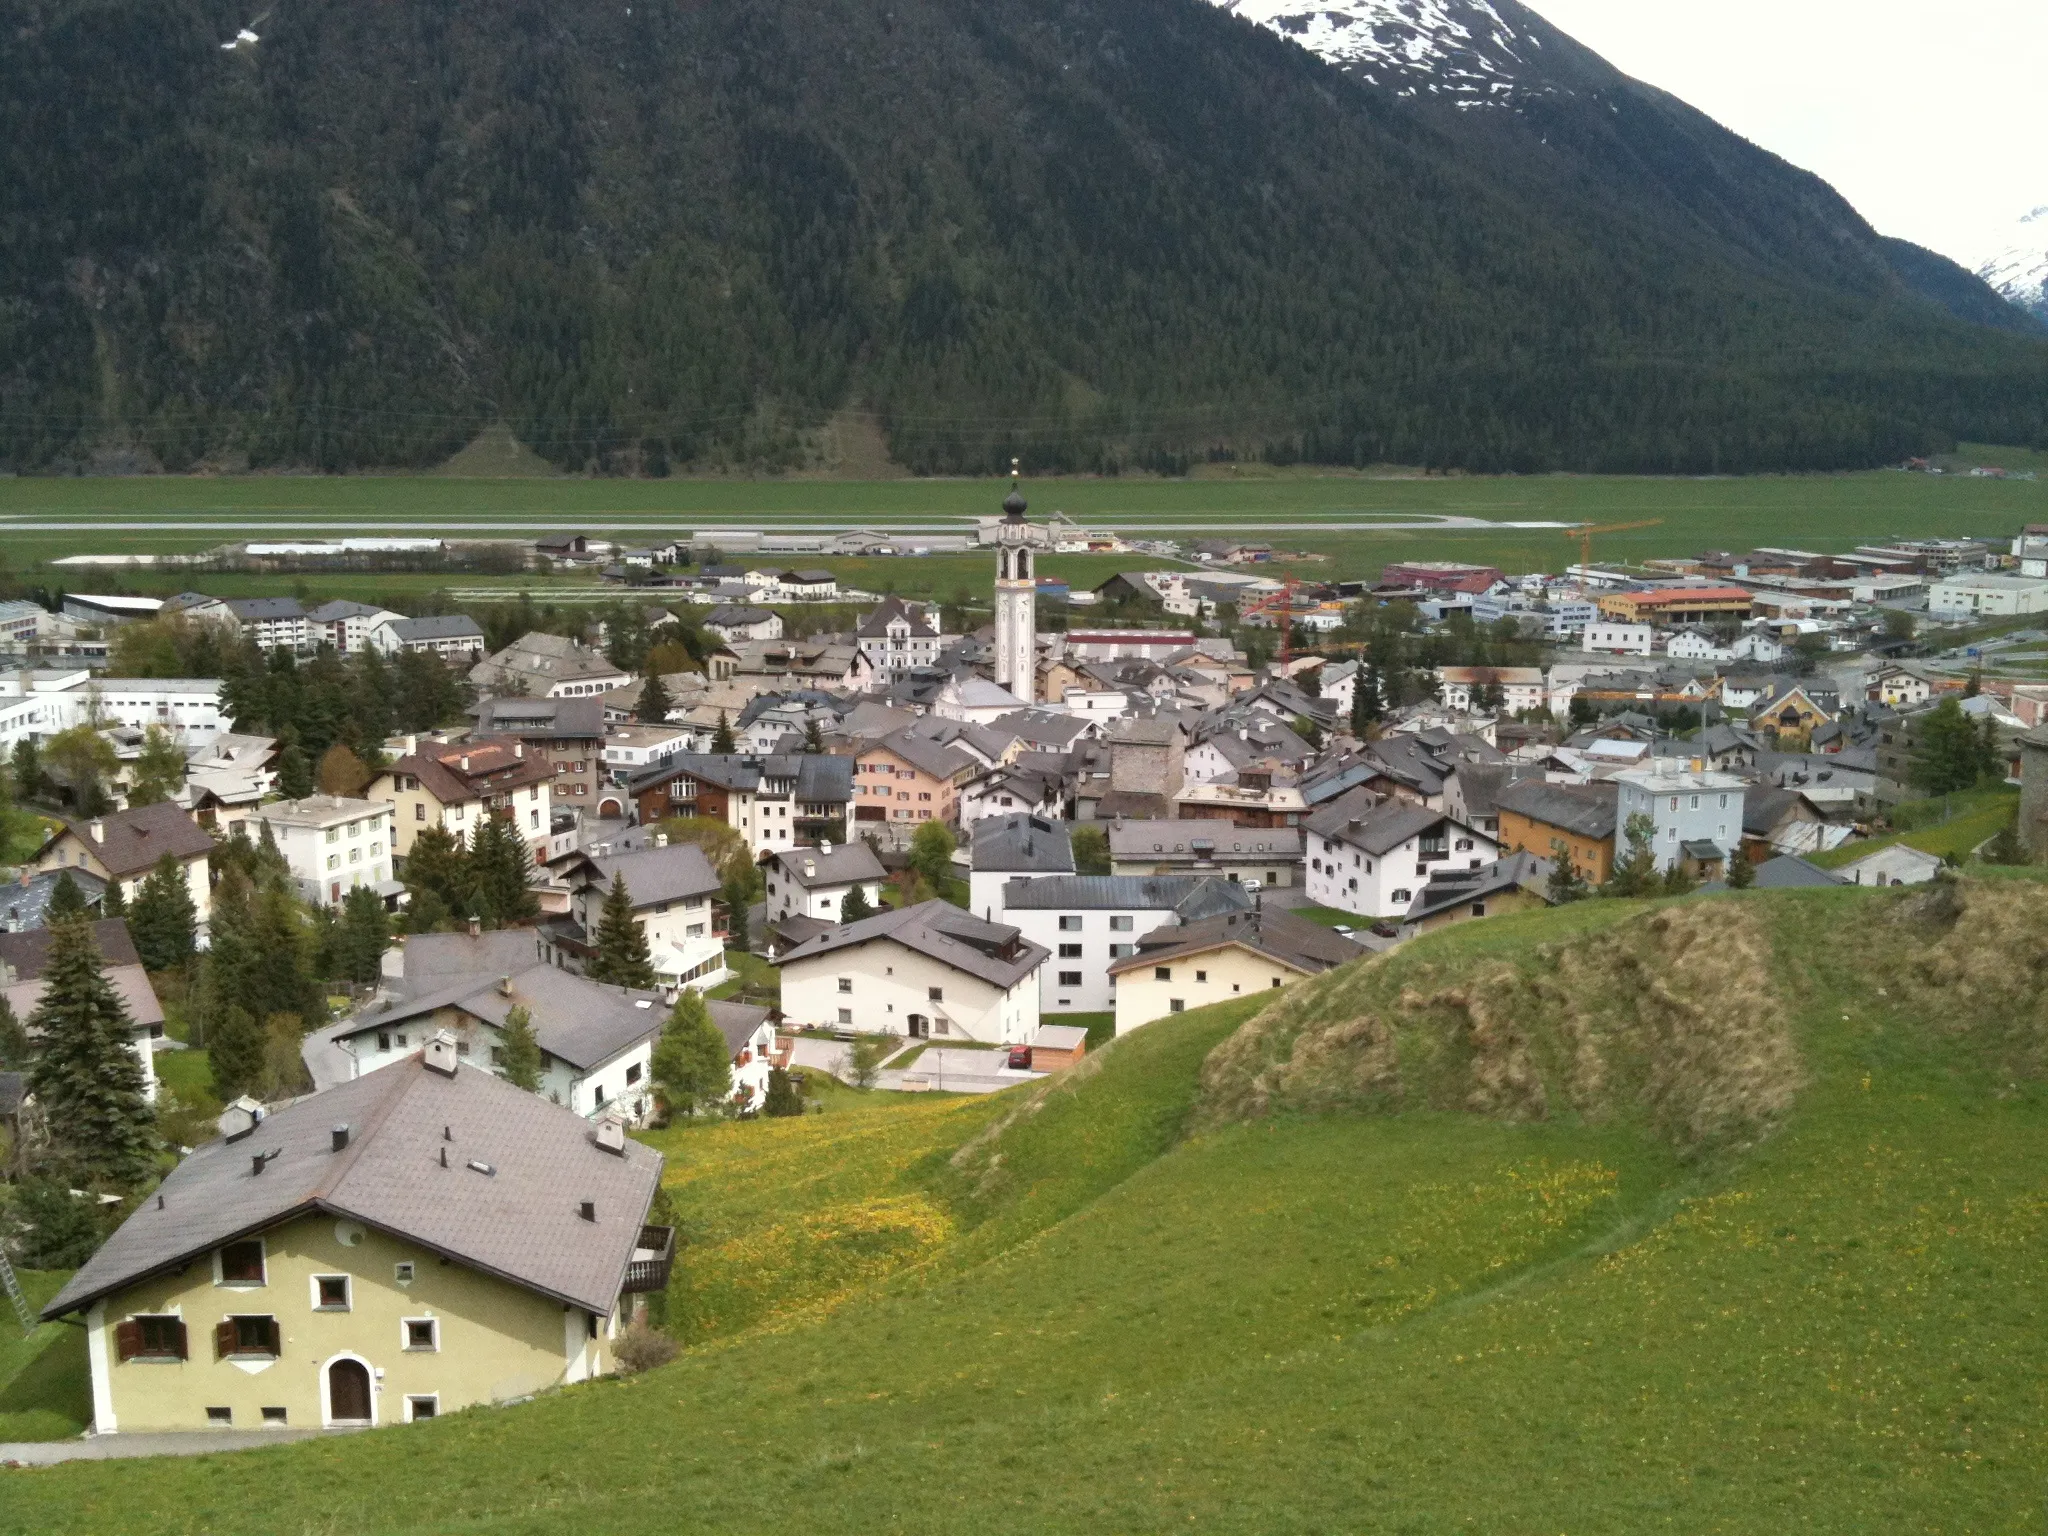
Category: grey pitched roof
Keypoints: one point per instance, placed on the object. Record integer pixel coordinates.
(941, 762)
(1763, 809)
(1022, 843)
(1455, 887)
(29, 952)
(993, 952)
(876, 624)
(1202, 895)
(519, 1222)
(1377, 826)
(342, 608)
(579, 1020)
(252, 609)
(679, 872)
(1294, 941)
(1201, 840)
(551, 719)
(1587, 809)
(441, 626)
(1787, 871)
(132, 841)
(736, 1021)
(26, 903)
(813, 868)
(436, 960)
(819, 777)
(736, 615)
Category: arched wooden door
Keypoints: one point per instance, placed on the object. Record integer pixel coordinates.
(348, 1392)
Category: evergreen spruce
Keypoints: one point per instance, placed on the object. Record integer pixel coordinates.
(856, 905)
(1635, 873)
(14, 1047)
(722, 741)
(654, 702)
(622, 958)
(159, 770)
(87, 1076)
(164, 922)
(784, 1096)
(66, 899)
(520, 1053)
(692, 1067)
(1566, 884)
(363, 935)
(113, 900)
(294, 772)
(234, 1052)
(814, 738)
(437, 880)
(1741, 873)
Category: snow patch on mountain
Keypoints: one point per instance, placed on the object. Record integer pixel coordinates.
(2020, 270)
(1462, 49)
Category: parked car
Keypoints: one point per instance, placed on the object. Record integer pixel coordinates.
(1386, 930)
(1020, 1058)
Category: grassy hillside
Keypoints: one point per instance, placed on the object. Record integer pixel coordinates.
(1732, 1222)
(43, 1391)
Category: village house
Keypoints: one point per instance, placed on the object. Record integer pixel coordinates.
(1696, 812)
(898, 638)
(1791, 711)
(734, 622)
(1182, 966)
(906, 777)
(1270, 855)
(332, 844)
(930, 971)
(1675, 606)
(774, 800)
(1513, 883)
(672, 887)
(125, 846)
(815, 882)
(567, 734)
(454, 637)
(1514, 689)
(1015, 846)
(454, 785)
(1369, 855)
(631, 749)
(420, 1241)
(25, 954)
(346, 626)
(1090, 922)
(1554, 821)
(539, 666)
(1895, 864)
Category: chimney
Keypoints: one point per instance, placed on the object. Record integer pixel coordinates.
(587, 1210)
(519, 750)
(444, 1157)
(476, 927)
(824, 846)
(240, 1118)
(810, 869)
(504, 986)
(256, 1162)
(439, 1055)
(98, 829)
(611, 1136)
(465, 762)
(341, 1138)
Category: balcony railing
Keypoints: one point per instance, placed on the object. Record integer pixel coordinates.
(653, 1257)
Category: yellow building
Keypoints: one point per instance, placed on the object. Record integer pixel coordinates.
(1183, 966)
(423, 1239)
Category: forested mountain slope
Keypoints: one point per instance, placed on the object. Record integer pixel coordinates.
(1095, 233)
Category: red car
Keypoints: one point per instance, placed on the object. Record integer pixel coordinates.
(1020, 1058)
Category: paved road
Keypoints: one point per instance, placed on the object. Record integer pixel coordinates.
(199, 1442)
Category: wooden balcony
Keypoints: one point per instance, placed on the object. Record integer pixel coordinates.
(654, 1256)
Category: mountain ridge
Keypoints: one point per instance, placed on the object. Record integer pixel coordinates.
(1099, 236)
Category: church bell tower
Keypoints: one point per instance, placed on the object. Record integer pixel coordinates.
(1016, 598)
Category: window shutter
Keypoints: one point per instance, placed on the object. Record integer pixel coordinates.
(128, 1339)
(223, 1339)
(276, 1335)
(179, 1341)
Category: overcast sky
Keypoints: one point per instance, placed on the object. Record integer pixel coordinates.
(1931, 116)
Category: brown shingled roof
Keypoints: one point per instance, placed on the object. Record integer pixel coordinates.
(130, 842)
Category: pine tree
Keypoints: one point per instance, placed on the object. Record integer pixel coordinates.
(501, 871)
(14, 1047)
(234, 1052)
(294, 772)
(622, 958)
(784, 1096)
(691, 1065)
(1678, 880)
(1566, 884)
(66, 899)
(113, 900)
(365, 933)
(814, 738)
(856, 905)
(1635, 872)
(2006, 847)
(1741, 873)
(159, 769)
(27, 766)
(520, 1053)
(722, 739)
(437, 880)
(654, 702)
(87, 1076)
(164, 922)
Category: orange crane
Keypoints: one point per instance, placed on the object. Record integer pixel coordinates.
(1585, 531)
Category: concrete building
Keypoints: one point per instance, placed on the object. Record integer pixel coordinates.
(815, 881)
(927, 972)
(1182, 966)
(538, 666)
(1692, 809)
(1017, 846)
(455, 784)
(1270, 855)
(566, 734)
(347, 626)
(1620, 639)
(734, 622)
(775, 800)
(1090, 922)
(1371, 855)
(672, 887)
(454, 637)
(332, 844)
(899, 637)
(1985, 596)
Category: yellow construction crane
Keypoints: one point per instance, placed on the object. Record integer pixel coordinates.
(1585, 531)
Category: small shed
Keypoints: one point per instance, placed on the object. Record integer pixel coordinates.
(1058, 1045)
(1893, 865)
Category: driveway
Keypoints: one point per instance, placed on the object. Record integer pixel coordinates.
(939, 1070)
